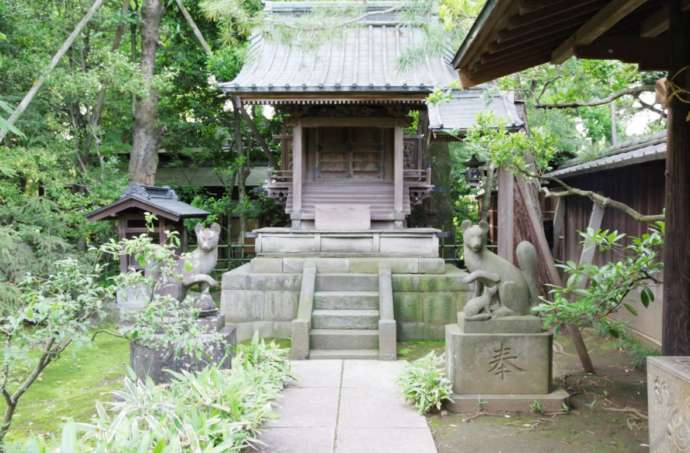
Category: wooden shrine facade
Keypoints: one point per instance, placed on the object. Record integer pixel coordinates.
(347, 106)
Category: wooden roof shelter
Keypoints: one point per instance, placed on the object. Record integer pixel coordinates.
(513, 35)
(135, 201)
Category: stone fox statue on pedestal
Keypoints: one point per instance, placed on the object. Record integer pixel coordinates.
(517, 287)
(199, 264)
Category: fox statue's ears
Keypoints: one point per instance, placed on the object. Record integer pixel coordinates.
(468, 223)
(215, 228)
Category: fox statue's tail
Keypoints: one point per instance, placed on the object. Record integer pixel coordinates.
(527, 262)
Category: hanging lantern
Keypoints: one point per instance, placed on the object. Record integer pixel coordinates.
(475, 170)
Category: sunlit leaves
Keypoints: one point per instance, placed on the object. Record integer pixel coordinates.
(608, 286)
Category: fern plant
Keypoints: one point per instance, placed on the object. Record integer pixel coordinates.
(424, 383)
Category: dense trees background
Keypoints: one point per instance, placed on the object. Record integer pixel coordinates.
(117, 94)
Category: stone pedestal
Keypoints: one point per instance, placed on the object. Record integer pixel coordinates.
(501, 364)
(668, 394)
(153, 363)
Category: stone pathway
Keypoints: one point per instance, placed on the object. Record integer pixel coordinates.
(346, 406)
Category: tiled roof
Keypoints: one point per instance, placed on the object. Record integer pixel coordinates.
(460, 112)
(158, 200)
(360, 59)
(648, 149)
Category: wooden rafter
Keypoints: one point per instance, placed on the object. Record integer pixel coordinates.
(658, 22)
(599, 24)
(647, 52)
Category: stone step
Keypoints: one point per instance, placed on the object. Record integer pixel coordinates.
(346, 300)
(316, 354)
(344, 339)
(345, 319)
(347, 282)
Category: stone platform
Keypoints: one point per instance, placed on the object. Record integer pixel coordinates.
(501, 364)
(263, 295)
(417, 242)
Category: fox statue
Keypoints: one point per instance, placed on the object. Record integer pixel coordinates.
(517, 286)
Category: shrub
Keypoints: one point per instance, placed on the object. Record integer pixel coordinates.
(424, 383)
(213, 410)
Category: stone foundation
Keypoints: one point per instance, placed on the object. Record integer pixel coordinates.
(668, 392)
(263, 295)
(501, 364)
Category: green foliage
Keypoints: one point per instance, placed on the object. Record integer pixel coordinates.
(56, 311)
(213, 411)
(609, 284)
(490, 141)
(536, 407)
(425, 384)
(164, 323)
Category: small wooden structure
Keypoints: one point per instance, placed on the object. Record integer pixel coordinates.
(138, 199)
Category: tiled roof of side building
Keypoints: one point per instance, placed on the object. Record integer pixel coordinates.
(643, 150)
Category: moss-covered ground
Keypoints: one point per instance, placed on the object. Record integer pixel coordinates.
(607, 415)
(69, 387)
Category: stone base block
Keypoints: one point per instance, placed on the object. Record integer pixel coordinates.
(668, 392)
(418, 242)
(154, 364)
(498, 363)
(512, 324)
(551, 402)
(351, 264)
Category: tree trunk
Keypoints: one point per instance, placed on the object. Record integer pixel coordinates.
(676, 308)
(143, 160)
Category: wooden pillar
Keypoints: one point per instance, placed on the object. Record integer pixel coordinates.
(676, 309)
(297, 167)
(398, 182)
(506, 208)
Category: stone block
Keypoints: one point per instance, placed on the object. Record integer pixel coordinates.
(407, 306)
(498, 363)
(236, 278)
(512, 324)
(668, 393)
(154, 363)
(432, 266)
(387, 340)
(409, 246)
(551, 402)
(299, 349)
(438, 307)
(342, 217)
(266, 265)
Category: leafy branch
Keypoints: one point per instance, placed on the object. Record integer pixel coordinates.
(630, 91)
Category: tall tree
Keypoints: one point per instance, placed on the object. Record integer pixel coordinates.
(144, 156)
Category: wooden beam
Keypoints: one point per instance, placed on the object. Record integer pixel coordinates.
(556, 9)
(647, 52)
(506, 208)
(589, 248)
(549, 23)
(528, 6)
(558, 224)
(675, 337)
(599, 24)
(658, 22)
(297, 167)
(398, 183)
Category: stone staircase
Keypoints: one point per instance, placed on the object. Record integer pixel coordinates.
(345, 317)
